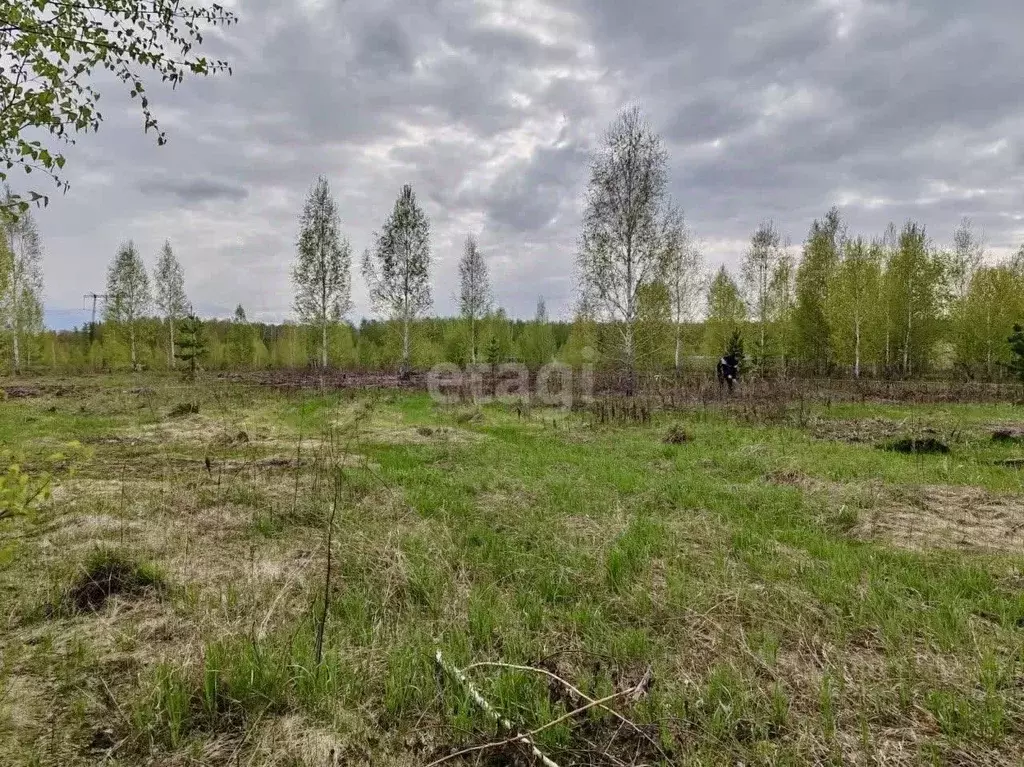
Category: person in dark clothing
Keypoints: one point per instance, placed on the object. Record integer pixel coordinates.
(728, 371)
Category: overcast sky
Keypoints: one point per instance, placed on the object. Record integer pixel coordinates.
(490, 108)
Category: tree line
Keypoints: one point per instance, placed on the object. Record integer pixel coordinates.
(894, 304)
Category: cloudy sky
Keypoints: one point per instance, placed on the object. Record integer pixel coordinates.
(490, 108)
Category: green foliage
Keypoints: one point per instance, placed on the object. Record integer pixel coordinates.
(735, 347)
(21, 282)
(492, 353)
(397, 267)
(170, 298)
(853, 308)
(814, 276)
(914, 300)
(1016, 342)
(726, 312)
(22, 490)
(128, 296)
(981, 320)
(321, 273)
(654, 331)
(60, 48)
(192, 346)
(537, 346)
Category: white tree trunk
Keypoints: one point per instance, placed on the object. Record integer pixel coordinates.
(856, 347)
(405, 343)
(472, 339)
(170, 348)
(323, 346)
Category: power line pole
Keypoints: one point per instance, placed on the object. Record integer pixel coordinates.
(92, 325)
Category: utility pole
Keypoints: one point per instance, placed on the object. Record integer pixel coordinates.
(92, 325)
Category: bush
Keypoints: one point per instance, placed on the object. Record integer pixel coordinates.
(676, 435)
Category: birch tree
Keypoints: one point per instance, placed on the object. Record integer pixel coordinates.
(1017, 261)
(397, 267)
(781, 306)
(967, 255)
(169, 282)
(537, 346)
(474, 290)
(726, 312)
(322, 271)
(128, 294)
(914, 285)
(622, 242)
(987, 313)
(854, 301)
(822, 252)
(21, 286)
(759, 265)
(683, 276)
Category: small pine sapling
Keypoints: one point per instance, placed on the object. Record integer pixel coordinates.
(191, 344)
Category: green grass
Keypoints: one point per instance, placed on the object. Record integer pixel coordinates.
(737, 566)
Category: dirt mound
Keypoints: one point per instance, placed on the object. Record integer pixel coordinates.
(946, 516)
(1012, 436)
(109, 573)
(183, 409)
(916, 446)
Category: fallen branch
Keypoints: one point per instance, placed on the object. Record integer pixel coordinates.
(575, 690)
(489, 710)
(527, 738)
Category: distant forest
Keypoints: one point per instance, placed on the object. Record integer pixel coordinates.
(891, 304)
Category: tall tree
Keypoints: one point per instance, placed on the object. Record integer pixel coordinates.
(854, 300)
(781, 306)
(759, 266)
(1017, 261)
(322, 272)
(169, 281)
(538, 342)
(967, 255)
(52, 51)
(1016, 343)
(624, 224)
(474, 290)
(240, 339)
(21, 284)
(128, 294)
(397, 268)
(683, 275)
(813, 278)
(726, 312)
(984, 318)
(914, 287)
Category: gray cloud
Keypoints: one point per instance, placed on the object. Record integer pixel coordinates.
(889, 108)
(193, 191)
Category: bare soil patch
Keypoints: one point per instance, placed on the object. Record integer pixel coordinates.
(946, 516)
(857, 430)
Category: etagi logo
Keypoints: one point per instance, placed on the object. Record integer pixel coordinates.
(555, 383)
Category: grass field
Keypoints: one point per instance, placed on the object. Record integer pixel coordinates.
(771, 590)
